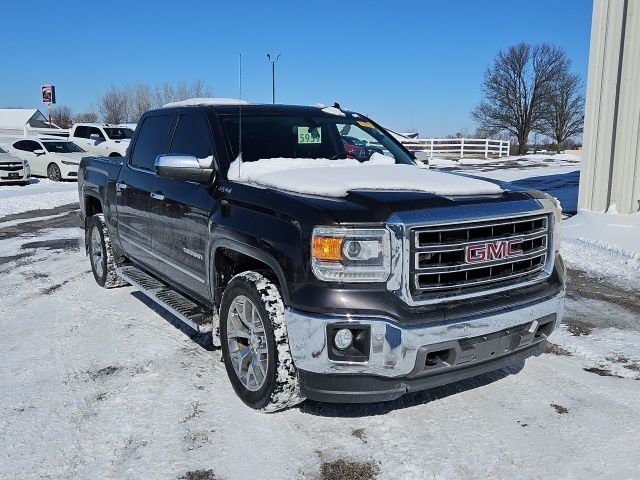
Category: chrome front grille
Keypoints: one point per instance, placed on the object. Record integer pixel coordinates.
(11, 167)
(441, 265)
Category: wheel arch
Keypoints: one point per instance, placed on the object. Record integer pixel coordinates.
(92, 206)
(229, 258)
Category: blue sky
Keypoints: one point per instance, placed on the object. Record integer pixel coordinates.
(413, 63)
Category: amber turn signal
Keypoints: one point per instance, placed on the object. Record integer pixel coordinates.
(327, 248)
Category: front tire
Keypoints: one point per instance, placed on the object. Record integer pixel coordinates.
(103, 264)
(255, 345)
(53, 172)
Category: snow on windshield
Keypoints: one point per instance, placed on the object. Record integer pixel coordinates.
(320, 176)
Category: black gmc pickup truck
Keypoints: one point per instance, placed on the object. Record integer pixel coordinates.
(327, 262)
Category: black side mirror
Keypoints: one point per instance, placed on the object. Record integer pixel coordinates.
(184, 167)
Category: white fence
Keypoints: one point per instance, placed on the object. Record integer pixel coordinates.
(10, 134)
(45, 132)
(457, 147)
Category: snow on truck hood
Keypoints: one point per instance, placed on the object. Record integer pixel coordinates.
(335, 178)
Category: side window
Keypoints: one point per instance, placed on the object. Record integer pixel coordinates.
(150, 142)
(33, 146)
(81, 132)
(96, 131)
(192, 137)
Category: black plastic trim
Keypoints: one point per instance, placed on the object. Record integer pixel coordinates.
(254, 253)
(343, 388)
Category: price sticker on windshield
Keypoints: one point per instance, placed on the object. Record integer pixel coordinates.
(309, 135)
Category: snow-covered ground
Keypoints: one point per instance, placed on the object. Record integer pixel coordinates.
(607, 245)
(101, 384)
(512, 168)
(39, 194)
(557, 175)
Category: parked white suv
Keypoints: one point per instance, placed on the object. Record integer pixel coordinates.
(102, 139)
(56, 158)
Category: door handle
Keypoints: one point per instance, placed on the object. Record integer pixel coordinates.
(157, 196)
(121, 186)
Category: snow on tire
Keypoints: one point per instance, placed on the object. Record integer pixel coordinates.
(103, 264)
(277, 388)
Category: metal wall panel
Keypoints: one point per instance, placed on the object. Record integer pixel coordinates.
(611, 162)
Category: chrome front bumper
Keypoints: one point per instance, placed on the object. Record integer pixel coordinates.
(394, 347)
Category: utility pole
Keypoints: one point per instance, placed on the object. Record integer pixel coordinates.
(273, 76)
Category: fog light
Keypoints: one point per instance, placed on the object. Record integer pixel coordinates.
(343, 339)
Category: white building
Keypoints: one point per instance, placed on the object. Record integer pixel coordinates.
(611, 159)
(22, 122)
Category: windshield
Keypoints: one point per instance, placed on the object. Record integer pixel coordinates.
(265, 136)
(62, 147)
(118, 133)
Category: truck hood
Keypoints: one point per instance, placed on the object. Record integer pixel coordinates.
(350, 192)
(375, 206)
(337, 178)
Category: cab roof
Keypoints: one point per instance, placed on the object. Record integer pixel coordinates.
(232, 106)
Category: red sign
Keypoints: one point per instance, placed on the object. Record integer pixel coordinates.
(489, 251)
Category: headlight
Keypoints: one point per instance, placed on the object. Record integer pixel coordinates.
(350, 255)
(69, 162)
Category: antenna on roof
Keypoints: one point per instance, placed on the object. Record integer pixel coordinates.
(240, 118)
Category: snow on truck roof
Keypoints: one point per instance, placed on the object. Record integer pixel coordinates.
(227, 102)
(205, 101)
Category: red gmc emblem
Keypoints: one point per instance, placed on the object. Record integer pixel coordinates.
(489, 251)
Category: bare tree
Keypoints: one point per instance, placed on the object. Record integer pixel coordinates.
(87, 117)
(140, 99)
(514, 89)
(114, 105)
(563, 113)
(183, 91)
(128, 103)
(62, 116)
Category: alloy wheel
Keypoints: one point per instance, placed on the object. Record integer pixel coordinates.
(96, 252)
(247, 343)
(53, 171)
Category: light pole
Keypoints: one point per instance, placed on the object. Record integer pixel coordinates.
(273, 76)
